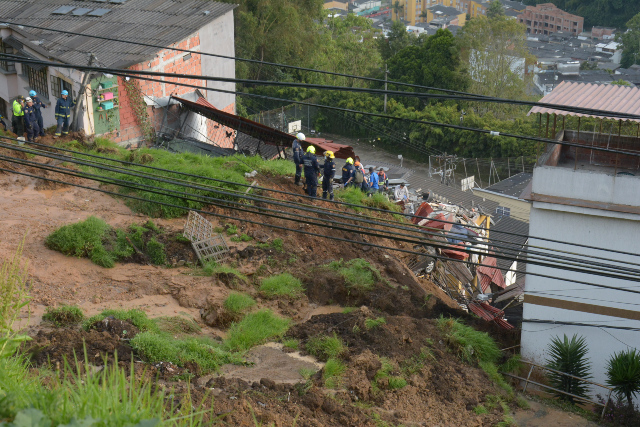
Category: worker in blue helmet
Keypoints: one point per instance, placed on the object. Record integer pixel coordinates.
(63, 114)
(37, 105)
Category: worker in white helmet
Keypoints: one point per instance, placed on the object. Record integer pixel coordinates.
(297, 155)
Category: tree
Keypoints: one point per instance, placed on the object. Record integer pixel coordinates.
(623, 372)
(569, 356)
(631, 43)
(621, 82)
(397, 8)
(496, 54)
(397, 39)
(495, 9)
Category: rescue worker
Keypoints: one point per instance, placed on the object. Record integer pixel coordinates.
(361, 179)
(373, 182)
(348, 173)
(297, 155)
(31, 121)
(329, 173)
(17, 122)
(38, 104)
(383, 179)
(311, 171)
(2, 123)
(63, 114)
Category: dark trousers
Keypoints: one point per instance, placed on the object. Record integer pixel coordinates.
(32, 131)
(63, 125)
(3, 124)
(298, 172)
(18, 125)
(40, 123)
(327, 187)
(312, 184)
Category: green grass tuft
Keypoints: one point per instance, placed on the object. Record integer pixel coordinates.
(396, 383)
(138, 318)
(237, 303)
(348, 310)
(374, 323)
(156, 252)
(291, 343)
(415, 364)
(334, 369)
(241, 238)
(281, 285)
(214, 269)
(82, 239)
(255, 328)
(357, 273)
(469, 344)
(480, 410)
(63, 316)
(325, 347)
(177, 325)
(492, 371)
(357, 197)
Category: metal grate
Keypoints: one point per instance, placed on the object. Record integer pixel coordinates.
(207, 246)
(197, 228)
(212, 249)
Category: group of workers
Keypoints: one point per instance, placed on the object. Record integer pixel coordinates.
(353, 173)
(27, 116)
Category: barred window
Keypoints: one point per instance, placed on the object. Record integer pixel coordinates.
(7, 65)
(58, 85)
(37, 80)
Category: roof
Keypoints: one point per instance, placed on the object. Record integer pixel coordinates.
(444, 11)
(509, 244)
(513, 186)
(341, 151)
(158, 22)
(488, 274)
(616, 98)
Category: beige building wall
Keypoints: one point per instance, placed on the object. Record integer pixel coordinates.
(520, 209)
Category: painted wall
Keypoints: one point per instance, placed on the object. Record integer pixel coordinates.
(218, 38)
(520, 209)
(593, 227)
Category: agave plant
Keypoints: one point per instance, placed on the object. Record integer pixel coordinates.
(569, 356)
(623, 372)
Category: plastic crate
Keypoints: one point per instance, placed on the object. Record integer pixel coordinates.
(106, 85)
(107, 96)
(107, 105)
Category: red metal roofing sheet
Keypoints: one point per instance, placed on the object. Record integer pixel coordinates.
(423, 212)
(489, 313)
(488, 273)
(614, 98)
(341, 151)
(454, 254)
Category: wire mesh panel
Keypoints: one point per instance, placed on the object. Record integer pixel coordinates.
(211, 249)
(197, 228)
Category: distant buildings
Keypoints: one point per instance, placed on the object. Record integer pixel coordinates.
(546, 18)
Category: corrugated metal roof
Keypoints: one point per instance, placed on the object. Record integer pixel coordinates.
(512, 186)
(158, 22)
(615, 98)
(510, 245)
(450, 194)
(488, 273)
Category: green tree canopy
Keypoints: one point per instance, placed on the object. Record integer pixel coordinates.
(495, 9)
(631, 43)
(397, 39)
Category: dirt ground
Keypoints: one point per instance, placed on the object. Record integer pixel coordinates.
(443, 391)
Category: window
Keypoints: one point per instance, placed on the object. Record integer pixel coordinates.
(502, 211)
(7, 66)
(37, 79)
(58, 85)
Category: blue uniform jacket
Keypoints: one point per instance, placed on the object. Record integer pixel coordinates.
(30, 117)
(348, 171)
(63, 107)
(37, 104)
(297, 152)
(329, 169)
(373, 181)
(311, 167)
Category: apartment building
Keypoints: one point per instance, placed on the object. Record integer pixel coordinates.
(546, 18)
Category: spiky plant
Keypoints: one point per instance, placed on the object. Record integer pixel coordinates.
(623, 372)
(569, 356)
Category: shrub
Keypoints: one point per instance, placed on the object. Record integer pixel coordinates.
(325, 347)
(623, 374)
(237, 303)
(357, 273)
(333, 371)
(374, 323)
(255, 328)
(156, 252)
(569, 356)
(281, 285)
(63, 316)
(469, 344)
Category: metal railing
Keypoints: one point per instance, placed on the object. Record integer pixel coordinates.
(528, 381)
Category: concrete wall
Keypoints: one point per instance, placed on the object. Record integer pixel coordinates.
(553, 299)
(520, 209)
(218, 38)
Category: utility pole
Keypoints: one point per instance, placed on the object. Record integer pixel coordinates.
(386, 73)
(82, 93)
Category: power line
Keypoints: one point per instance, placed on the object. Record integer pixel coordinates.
(558, 322)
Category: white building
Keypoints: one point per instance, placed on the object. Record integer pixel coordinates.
(591, 198)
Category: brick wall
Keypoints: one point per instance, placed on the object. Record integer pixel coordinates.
(166, 61)
(221, 136)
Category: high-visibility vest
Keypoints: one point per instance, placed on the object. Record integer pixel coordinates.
(17, 109)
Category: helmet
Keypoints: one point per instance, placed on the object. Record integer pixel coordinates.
(329, 154)
(349, 160)
(28, 99)
(357, 163)
(300, 136)
(32, 93)
(64, 92)
(311, 149)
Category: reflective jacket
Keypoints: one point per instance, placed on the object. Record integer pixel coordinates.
(30, 117)
(329, 169)
(348, 171)
(17, 109)
(297, 152)
(63, 107)
(37, 104)
(311, 167)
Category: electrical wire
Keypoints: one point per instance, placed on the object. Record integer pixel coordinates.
(562, 323)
